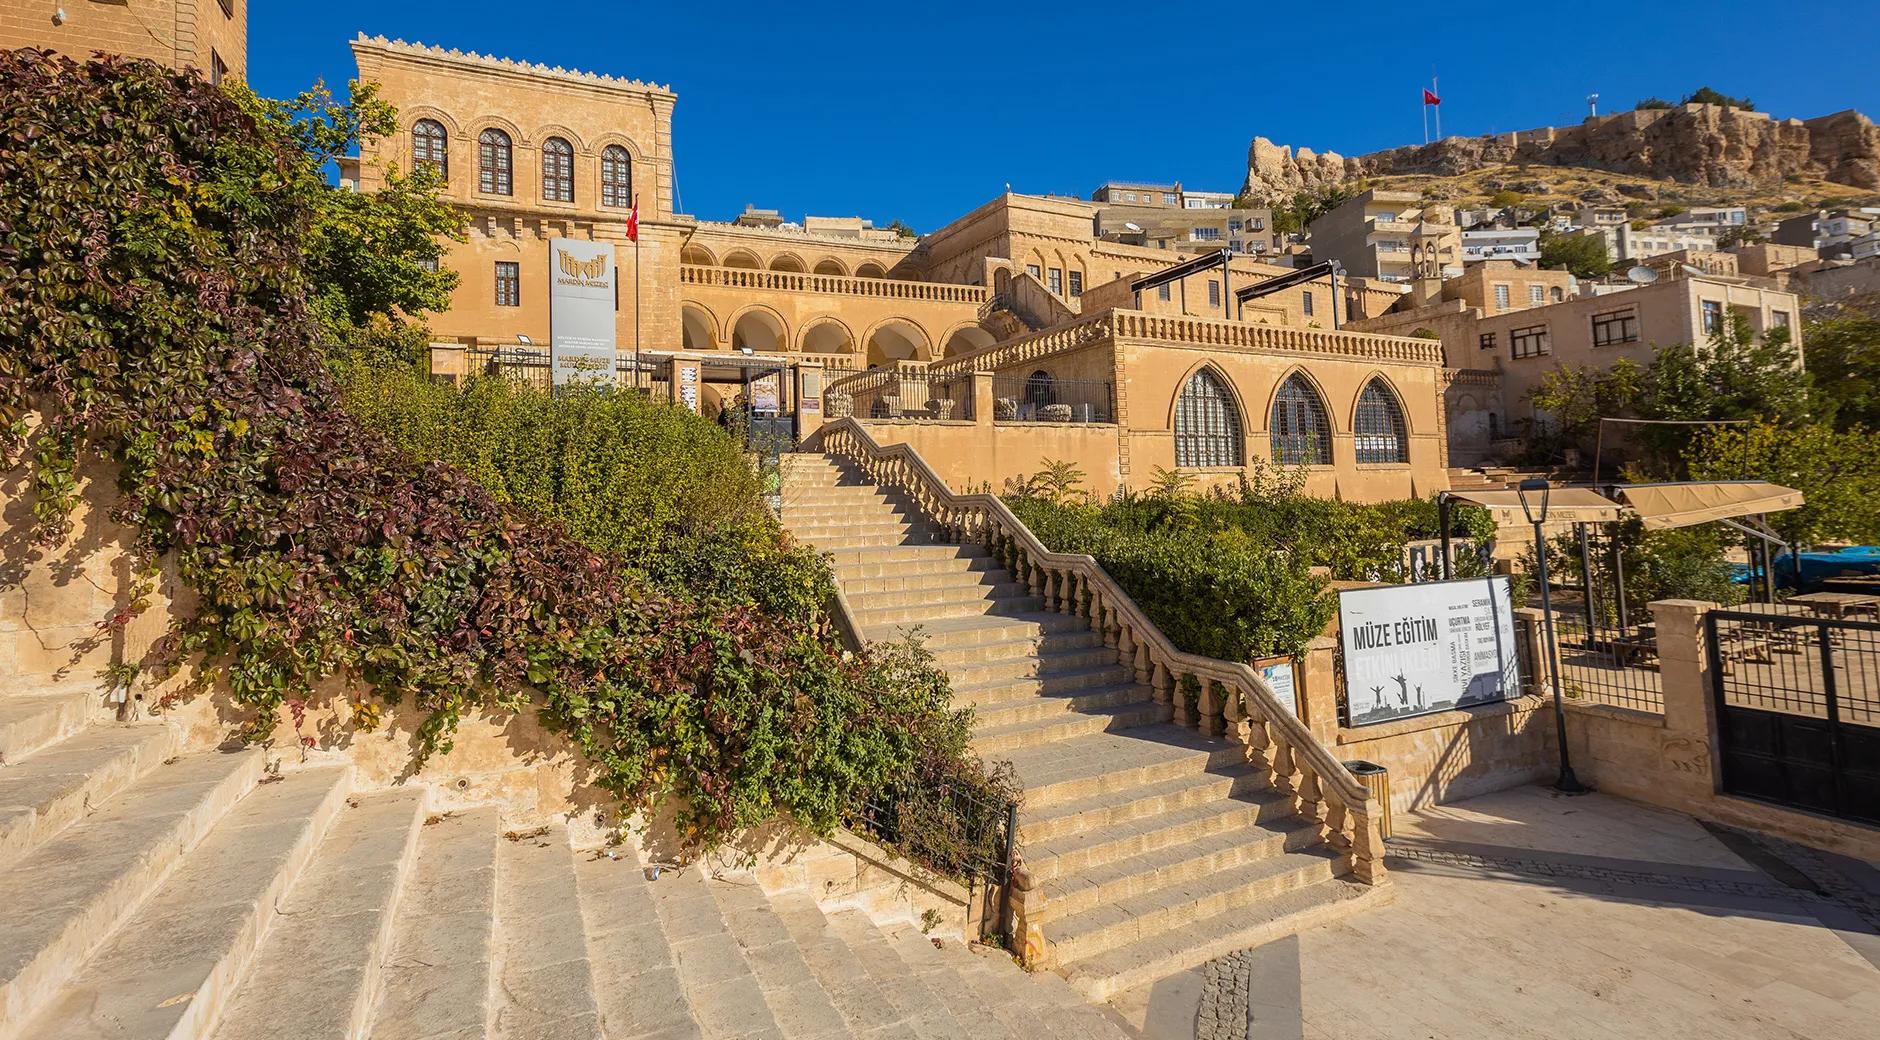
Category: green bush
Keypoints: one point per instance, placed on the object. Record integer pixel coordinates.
(153, 243)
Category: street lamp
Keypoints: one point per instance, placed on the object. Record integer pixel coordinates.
(1534, 494)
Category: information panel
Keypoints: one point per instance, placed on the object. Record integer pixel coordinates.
(1416, 649)
(581, 310)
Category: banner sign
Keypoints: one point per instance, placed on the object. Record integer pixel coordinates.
(1417, 649)
(1278, 673)
(581, 310)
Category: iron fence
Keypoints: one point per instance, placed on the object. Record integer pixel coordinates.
(1798, 707)
(1042, 398)
(914, 394)
(954, 832)
(533, 366)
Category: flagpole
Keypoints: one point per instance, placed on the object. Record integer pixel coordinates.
(1439, 108)
(1425, 106)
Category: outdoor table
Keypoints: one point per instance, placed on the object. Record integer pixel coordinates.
(1839, 604)
(1864, 586)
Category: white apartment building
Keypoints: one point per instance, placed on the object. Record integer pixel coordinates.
(1522, 244)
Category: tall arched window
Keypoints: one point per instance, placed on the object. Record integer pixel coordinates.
(1039, 391)
(1301, 434)
(557, 170)
(616, 177)
(495, 163)
(1378, 426)
(1207, 425)
(430, 146)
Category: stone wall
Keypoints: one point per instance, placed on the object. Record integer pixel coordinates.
(178, 33)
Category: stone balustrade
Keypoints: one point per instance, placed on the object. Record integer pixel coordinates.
(1219, 698)
(840, 285)
(1057, 340)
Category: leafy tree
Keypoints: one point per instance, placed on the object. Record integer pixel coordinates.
(374, 259)
(1837, 471)
(900, 228)
(1654, 102)
(1578, 397)
(1294, 214)
(1843, 352)
(1742, 235)
(1707, 96)
(1505, 198)
(1737, 375)
(1585, 256)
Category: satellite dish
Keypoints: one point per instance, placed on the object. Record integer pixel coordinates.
(1641, 275)
(1698, 271)
(1131, 226)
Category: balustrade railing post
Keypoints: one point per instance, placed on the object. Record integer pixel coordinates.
(1210, 721)
(1160, 685)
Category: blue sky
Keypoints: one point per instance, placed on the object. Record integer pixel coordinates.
(923, 111)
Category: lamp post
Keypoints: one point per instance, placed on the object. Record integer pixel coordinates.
(1534, 494)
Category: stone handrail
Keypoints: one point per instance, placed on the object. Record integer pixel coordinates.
(1214, 696)
(1056, 340)
(1276, 338)
(842, 285)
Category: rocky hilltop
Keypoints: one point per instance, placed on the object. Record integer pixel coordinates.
(1696, 144)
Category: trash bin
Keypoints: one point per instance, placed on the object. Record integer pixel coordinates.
(1377, 778)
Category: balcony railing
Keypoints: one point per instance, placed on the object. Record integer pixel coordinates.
(1021, 398)
(830, 284)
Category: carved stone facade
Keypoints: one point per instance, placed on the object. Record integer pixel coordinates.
(210, 36)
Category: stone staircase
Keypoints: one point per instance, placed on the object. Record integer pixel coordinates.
(146, 894)
(1157, 848)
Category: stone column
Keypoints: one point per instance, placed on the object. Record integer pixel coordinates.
(982, 398)
(1317, 674)
(1690, 733)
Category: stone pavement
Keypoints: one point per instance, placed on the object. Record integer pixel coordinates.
(1525, 914)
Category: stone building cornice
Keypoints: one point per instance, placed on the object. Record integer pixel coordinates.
(487, 62)
(899, 247)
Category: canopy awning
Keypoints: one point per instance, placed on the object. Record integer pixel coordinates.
(1663, 506)
(1564, 505)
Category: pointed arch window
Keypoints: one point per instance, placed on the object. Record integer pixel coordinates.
(1207, 425)
(1301, 434)
(616, 177)
(495, 163)
(557, 170)
(430, 146)
(1378, 430)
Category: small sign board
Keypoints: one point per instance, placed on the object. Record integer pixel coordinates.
(1417, 649)
(1279, 673)
(581, 331)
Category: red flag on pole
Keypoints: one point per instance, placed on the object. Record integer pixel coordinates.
(1429, 98)
(633, 218)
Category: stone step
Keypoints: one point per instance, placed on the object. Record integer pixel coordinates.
(1170, 866)
(544, 980)
(1029, 664)
(980, 630)
(1118, 763)
(924, 1013)
(1026, 1004)
(168, 971)
(996, 741)
(1159, 956)
(855, 526)
(1058, 683)
(995, 580)
(85, 880)
(319, 970)
(938, 609)
(1005, 649)
(801, 1006)
(439, 968)
(30, 721)
(57, 785)
(716, 979)
(1078, 851)
(1098, 812)
(943, 564)
(1054, 705)
(1171, 908)
(879, 555)
(830, 959)
(842, 541)
(641, 995)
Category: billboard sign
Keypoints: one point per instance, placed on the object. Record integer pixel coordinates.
(581, 310)
(1417, 649)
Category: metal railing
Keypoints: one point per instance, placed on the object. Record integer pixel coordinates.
(1020, 398)
(533, 366)
(953, 832)
(1609, 663)
(913, 393)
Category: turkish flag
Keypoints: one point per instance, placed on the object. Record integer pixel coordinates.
(1429, 98)
(633, 218)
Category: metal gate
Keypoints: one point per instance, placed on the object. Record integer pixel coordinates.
(1798, 708)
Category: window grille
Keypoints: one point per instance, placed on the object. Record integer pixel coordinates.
(1207, 425)
(430, 146)
(1378, 428)
(557, 170)
(495, 163)
(616, 177)
(1301, 434)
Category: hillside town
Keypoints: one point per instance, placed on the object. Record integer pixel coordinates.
(450, 587)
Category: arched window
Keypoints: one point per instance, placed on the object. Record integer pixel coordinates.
(495, 163)
(1207, 425)
(430, 146)
(1039, 391)
(616, 177)
(1378, 427)
(1301, 434)
(557, 170)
